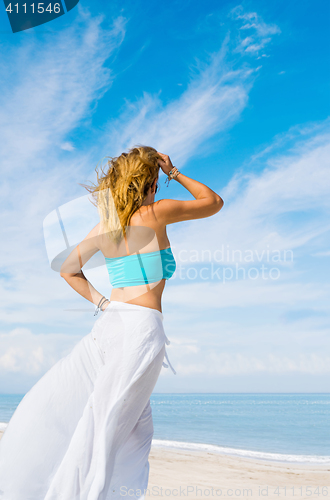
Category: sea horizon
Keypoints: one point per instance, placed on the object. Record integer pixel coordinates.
(281, 427)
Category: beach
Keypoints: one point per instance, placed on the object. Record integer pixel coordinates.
(198, 475)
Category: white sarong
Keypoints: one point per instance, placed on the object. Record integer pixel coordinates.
(84, 430)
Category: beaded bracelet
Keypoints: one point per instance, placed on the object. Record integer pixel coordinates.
(172, 175)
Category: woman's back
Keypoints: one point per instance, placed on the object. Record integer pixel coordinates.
(146, 235)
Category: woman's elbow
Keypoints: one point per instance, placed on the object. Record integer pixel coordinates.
(219, 203)
(215, 205)
(65, 275)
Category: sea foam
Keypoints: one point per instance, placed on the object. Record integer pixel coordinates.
(258, 455)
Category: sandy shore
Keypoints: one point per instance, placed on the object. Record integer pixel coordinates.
(200, 475)
(198, 472)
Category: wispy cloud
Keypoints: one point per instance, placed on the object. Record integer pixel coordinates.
(56, 82)
(281, 204)
(240, 364)
(67, 146)
(240, 345)
(213, 102)
(289, 183)
(245, 293)
(51, 86)
(259, 32)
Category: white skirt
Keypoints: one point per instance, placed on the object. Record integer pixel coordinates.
(84, 430)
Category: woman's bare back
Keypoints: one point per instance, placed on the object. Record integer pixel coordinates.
(145, 233)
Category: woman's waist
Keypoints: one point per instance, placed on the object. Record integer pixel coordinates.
(138, 307)
(133, 324)
(144, 296)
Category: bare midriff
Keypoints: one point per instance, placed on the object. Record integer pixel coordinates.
(140, 295)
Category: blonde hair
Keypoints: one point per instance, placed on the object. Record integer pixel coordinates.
(121, 190)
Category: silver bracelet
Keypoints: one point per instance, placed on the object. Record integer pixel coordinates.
(100, 304)
(106, 300)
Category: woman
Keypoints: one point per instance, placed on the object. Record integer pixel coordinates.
(84, 430)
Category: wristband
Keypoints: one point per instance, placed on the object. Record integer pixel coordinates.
(173, 173)
(100, 304)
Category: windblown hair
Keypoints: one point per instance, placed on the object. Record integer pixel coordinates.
(122, 188)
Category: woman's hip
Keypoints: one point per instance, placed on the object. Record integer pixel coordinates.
(128, 331)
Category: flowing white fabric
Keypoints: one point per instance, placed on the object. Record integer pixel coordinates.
(84, 430)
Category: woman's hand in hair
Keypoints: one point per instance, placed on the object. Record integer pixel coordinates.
(165, 164)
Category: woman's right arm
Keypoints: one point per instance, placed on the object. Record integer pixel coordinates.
(206, 202)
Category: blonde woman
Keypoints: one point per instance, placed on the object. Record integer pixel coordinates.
(84, 431)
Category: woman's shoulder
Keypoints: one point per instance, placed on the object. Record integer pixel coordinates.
(146, 214)
(153, 214)
(148, 225)
(156, 207)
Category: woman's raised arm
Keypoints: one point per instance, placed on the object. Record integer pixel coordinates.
(207, 202)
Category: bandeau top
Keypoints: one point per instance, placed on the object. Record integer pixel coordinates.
(141, 268)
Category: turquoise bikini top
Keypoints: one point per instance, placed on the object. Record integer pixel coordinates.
(140, 268)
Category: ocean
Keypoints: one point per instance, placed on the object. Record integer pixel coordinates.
(281, 427)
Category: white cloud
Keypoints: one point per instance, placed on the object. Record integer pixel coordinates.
(326, 253)
(267, 210)
(246, 293)
(240, 364)
(50, 89)
(212, 102)
(246, 316)
(30, 354)
(260, 31)
(67, 146)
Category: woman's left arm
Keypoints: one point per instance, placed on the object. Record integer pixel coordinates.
(71, 269)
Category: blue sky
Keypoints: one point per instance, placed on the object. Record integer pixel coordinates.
(238, 95)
